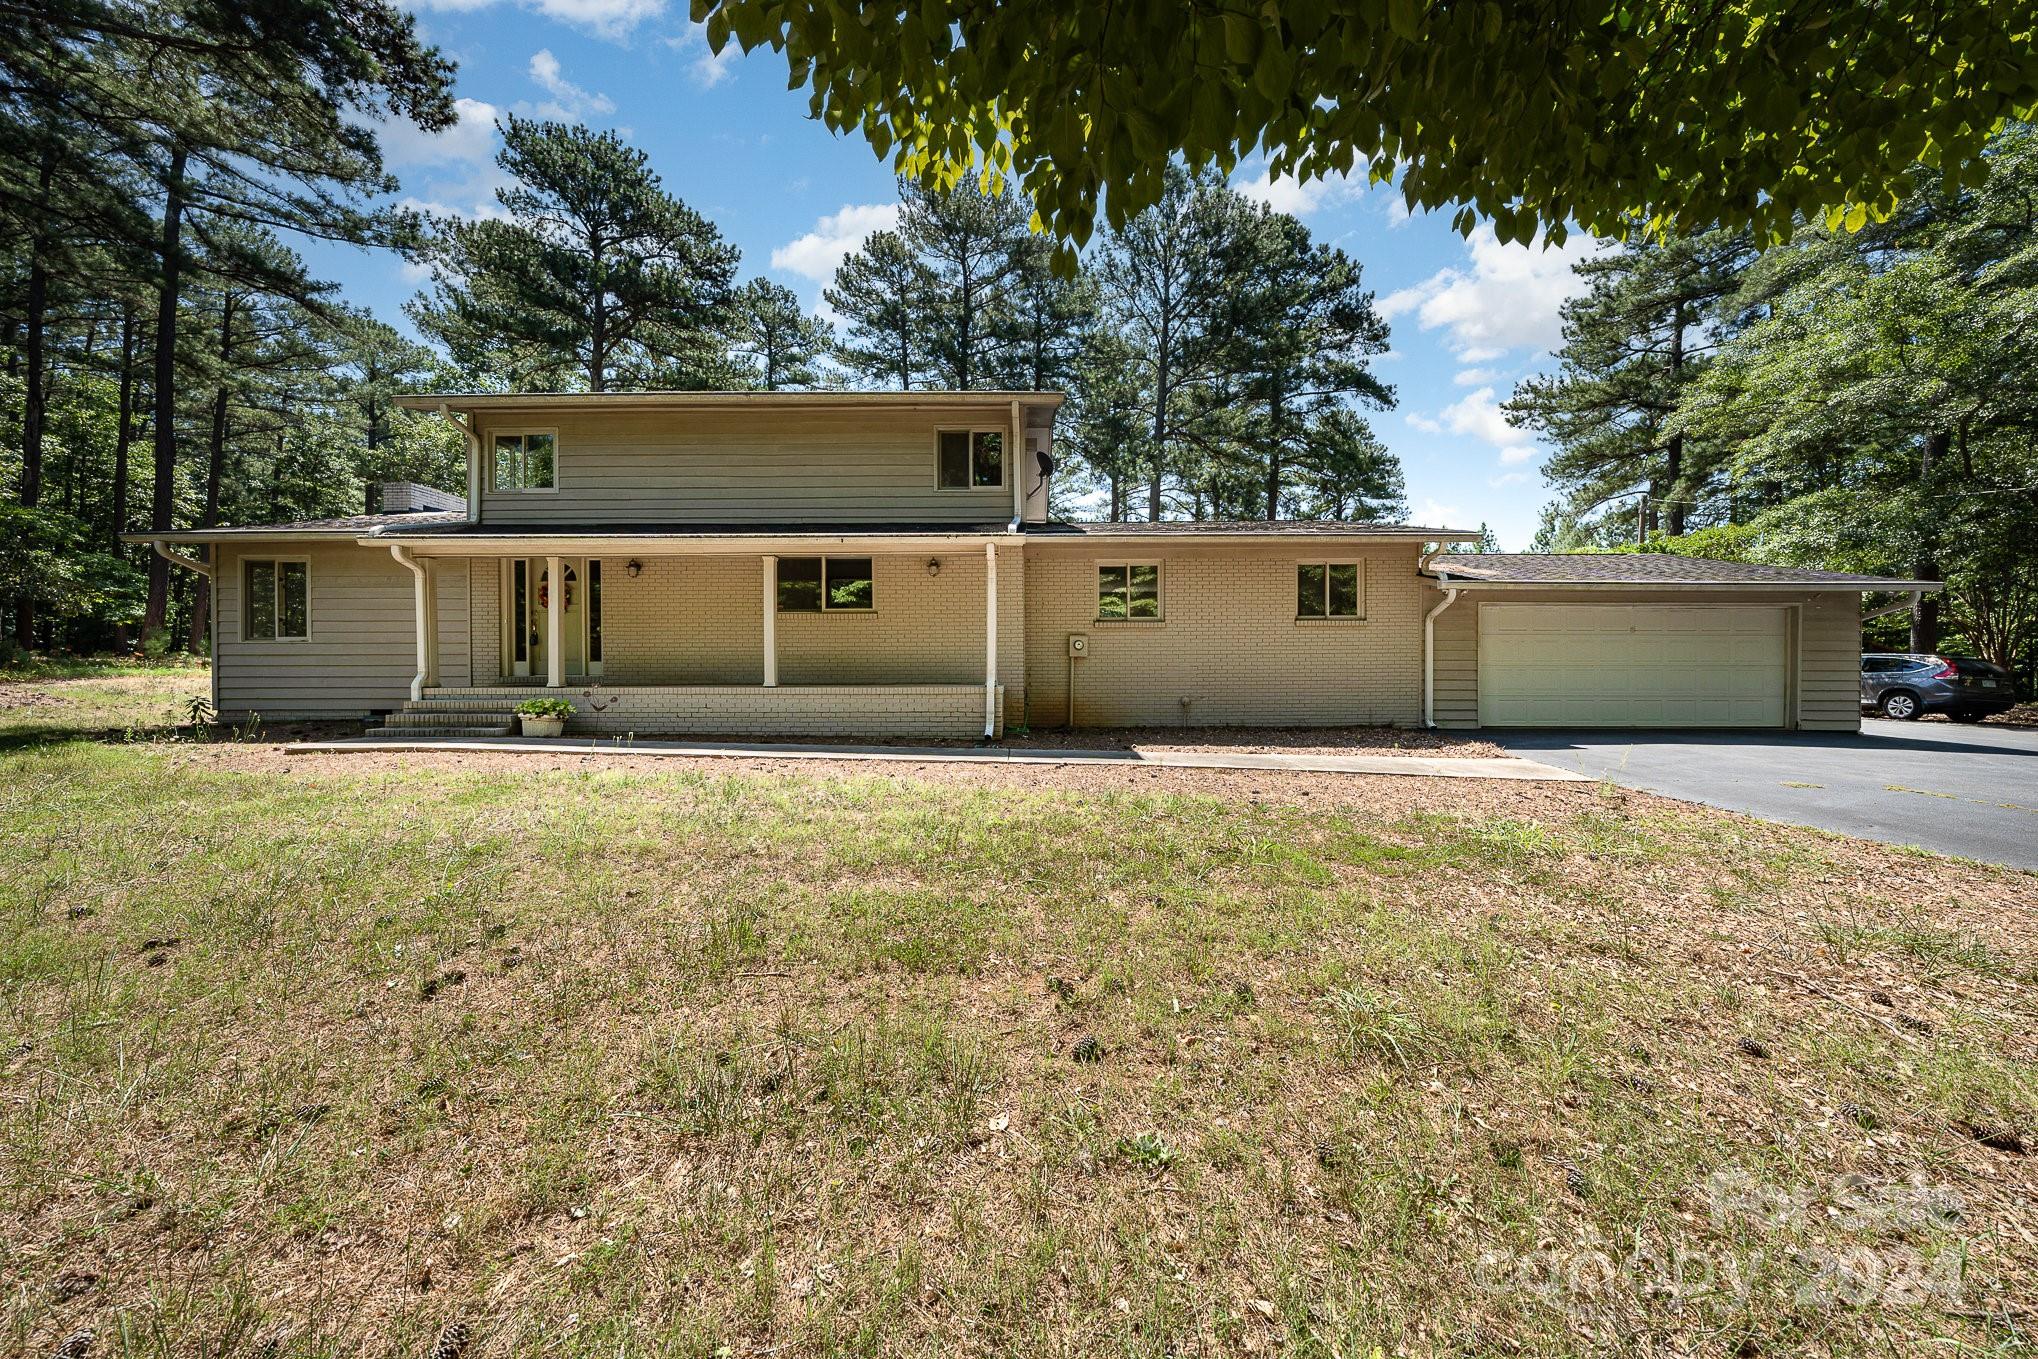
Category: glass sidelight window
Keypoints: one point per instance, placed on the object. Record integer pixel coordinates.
(825, 585)
(276, 600)
(1330, 590)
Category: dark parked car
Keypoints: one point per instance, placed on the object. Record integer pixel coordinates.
(1909, 686)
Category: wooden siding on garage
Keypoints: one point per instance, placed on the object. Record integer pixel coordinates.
(726, 467)
(1827, 645)
(362, 651)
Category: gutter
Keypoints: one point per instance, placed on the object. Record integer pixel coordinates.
(164, 550)
(1429, 649)
(473, 461)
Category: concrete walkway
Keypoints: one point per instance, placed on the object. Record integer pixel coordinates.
(1416, 766)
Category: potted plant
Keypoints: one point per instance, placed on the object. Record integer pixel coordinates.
(544, 716)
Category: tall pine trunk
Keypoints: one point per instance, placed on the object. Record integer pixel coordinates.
(215, 459)
(123, 436)
(1274, 469)
(1925, 566)
(34, 415)
(165, 494)
(1673, 452)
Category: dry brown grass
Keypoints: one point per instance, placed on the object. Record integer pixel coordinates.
(603, 1055)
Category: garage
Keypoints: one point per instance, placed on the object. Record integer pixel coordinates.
(1634, 665)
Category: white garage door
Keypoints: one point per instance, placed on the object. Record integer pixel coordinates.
(1632, 665)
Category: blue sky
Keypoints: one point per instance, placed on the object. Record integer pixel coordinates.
(1470, 317)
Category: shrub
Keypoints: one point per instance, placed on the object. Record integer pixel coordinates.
(545, 707)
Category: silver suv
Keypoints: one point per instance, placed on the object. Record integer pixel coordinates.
(1907, 686)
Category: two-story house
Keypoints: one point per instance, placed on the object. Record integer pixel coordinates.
(885, 564)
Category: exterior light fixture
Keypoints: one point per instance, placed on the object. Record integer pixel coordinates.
(934, 566)
(634, 568)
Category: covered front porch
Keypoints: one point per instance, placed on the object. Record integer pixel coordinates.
(838, 635)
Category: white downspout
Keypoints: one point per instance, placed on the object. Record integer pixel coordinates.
(473, 462)
(991, 637)
(1429, 651)
(417, 570)
(1015, 468)
(168, 554)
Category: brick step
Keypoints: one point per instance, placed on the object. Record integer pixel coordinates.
(415, 717)
(452, 707)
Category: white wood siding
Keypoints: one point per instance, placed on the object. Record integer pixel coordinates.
(362, 650)
(728, 467)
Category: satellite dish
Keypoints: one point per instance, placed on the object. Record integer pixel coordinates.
(1046, 463)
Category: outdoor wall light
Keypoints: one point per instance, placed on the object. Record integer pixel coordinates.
(634, 568)
(934, 566)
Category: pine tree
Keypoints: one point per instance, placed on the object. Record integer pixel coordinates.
(774, 340)
(1633, 343)
(1043, 322)
(597, 277)
(881, 293)
(969, 242)
(1297, 331)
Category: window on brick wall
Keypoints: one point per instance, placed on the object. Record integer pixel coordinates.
(1330, 590)
(825, 585)
(1128, 592)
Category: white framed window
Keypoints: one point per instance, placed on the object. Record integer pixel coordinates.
(525, 460)
(1128, 592)
(825, 585)
(1330, 589)
(275, 599)
(969, 459)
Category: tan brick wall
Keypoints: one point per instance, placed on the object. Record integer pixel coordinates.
(699, 620)
(1230, 643)
(873, 711)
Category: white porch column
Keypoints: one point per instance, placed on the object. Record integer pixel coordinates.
(990, 639)
(555, 624)
(770, 621)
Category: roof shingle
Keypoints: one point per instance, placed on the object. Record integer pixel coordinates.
(1644, 569)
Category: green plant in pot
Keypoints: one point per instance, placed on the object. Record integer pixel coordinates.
(544, 716)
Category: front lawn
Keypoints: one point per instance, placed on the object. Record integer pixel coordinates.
(70, 696)
(323, 1055)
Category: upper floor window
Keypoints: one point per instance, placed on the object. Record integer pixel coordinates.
(1128, 590)
(1330, 590)
(276, 600)
(524, 462)
(970, 457)
(824, 584)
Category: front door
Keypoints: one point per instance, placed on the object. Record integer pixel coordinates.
(528, 593)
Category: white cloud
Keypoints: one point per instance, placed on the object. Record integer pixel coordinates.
(471, 140)
(817, 254)
(1294, 196)
(706, 67)
(1506, 299)
(569, 102)
(1477, 415)
(605, 18)
(1474, 377)
(1510, 479)
(1430, 513)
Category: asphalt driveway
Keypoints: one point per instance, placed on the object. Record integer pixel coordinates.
(1971, 791)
